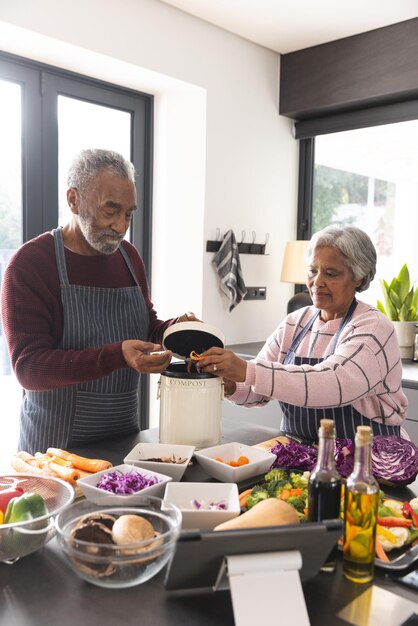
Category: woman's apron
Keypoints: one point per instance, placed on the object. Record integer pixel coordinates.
(304, 421)
(102, 408)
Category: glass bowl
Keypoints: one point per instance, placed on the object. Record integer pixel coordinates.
(86, 536)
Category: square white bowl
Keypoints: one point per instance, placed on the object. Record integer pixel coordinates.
(142, 451)
(183, 494)
(88, 485)
(259, 461)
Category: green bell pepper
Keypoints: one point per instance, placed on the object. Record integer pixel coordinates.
(24, 508)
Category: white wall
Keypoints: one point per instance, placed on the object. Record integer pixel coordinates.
(217, 112)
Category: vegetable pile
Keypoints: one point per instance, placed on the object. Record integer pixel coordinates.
(288, 486)
(132, 482)
(394, 460)
(397, 521)
(58, 463)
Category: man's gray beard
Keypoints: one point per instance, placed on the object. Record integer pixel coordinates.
(94, 237)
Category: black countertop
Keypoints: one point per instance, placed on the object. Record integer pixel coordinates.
(41, 587)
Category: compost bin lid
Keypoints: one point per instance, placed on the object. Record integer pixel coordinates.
(183, 337)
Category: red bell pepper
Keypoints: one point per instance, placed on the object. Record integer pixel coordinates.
(408, 511)
(394, 521)
(7, 494)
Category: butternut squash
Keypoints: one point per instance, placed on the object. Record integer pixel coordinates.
(269, 512)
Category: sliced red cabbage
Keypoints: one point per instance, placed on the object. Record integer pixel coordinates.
(294, 455)
(132, 482)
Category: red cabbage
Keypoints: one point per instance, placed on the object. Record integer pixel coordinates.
(394, 460)
(132, 482)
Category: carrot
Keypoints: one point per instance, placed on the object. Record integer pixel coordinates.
(243, 460)
(296, 492)
(69, 474)
(21, 466)
(243, 497)
(285, 494)
(80, 462)
(380, 553)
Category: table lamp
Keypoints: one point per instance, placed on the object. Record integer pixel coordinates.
(295, 271)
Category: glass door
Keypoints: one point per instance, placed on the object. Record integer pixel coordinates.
(11, 218)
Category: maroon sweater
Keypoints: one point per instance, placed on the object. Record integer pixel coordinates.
(33, 317)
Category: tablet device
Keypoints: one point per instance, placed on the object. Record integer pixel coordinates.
(199, 557)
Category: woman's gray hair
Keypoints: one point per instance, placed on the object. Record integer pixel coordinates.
(355, 245)
(88, 164)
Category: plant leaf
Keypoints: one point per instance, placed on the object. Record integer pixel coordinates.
(404, 282)
(381, 308)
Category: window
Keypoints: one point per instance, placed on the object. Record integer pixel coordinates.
(48, 115)
(366, 177)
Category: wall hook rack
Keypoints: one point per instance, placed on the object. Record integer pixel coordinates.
(243, 246)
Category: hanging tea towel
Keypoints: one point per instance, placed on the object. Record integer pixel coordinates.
(228, 268)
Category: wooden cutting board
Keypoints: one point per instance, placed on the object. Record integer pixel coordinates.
(267, 445)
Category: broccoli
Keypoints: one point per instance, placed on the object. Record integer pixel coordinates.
(256, 496)
(277, 474)
(297, 503)
(299, 481)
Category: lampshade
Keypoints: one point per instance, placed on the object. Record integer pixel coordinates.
(295, 266)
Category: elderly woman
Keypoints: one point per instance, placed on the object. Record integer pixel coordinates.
(338, 358)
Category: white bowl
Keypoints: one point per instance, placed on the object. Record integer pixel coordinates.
(88, 485)
(259, 461)
(183, 495)
(142, 451)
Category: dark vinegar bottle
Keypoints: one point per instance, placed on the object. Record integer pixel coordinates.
(324, 492)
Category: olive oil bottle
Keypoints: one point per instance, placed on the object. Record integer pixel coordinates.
(324, 490)
(361, 503)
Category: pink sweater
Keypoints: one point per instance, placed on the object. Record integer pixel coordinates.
(365, 369)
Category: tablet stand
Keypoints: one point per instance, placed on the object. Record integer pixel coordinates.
(265, 586)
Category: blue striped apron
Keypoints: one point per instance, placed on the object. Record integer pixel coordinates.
(304, 421)
(102, 408)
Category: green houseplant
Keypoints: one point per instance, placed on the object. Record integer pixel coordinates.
(401, 306)
(401, 298)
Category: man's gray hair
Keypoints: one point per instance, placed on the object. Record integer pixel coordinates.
(89, 163)
(355, 245)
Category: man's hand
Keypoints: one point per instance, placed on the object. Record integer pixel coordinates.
(145, 357)
(188, 317)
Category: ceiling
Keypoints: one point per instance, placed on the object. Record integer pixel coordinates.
(289, 25)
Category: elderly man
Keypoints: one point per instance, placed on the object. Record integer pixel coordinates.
(77, 314)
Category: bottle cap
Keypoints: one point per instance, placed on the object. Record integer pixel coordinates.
(327, 427)
(364, 435)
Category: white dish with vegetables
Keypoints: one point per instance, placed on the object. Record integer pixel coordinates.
(234, 462)
(123, 484)
(164, 458)
(203, 505)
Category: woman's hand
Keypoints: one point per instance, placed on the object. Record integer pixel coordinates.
(145, 357)
(225, 364)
